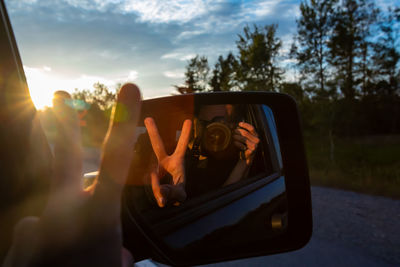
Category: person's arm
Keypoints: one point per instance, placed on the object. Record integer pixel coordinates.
(246, 139)
(80, 228)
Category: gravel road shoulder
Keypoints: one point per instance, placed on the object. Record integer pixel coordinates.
(370, 223)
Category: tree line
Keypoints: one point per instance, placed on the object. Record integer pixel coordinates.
(346, 56)
(94, 110)
(344, 71)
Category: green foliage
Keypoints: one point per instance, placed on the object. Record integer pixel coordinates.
(97, 114)
(386, 58)
(255, 68)
(101, 96)
(349, 45)
(368, 164)
(310, 49)
(197, 74)
(258, 55)
(94, 109)
(224, 74)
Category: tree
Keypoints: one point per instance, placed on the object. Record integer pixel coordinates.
(310, 49)
(224, 74)
(349, 44)
(196, 76)
(258, 69)
(101, 96)
(387, 57)
(94, 108)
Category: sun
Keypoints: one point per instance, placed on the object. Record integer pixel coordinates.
(43, 82)
(40, 98)
(42, 86)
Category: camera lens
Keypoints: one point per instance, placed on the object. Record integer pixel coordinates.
(216, 137)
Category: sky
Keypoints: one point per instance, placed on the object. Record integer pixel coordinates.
(67, 44)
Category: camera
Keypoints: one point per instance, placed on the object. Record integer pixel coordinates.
(215, 138)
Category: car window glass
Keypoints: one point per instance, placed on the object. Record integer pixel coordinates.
(274, 134)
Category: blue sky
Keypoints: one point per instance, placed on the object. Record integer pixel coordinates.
(69, 44)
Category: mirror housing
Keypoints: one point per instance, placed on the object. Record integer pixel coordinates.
(166, 245)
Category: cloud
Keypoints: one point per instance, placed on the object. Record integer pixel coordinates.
(29, 2)
(175, 74)
(190, 34)
(153, 11)
(46, 68)
(133, 74)
(100, 5)
(178, 56)
(107, 54)
(164, 11)
(253, 11)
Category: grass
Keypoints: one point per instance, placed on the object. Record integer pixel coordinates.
(363, 165)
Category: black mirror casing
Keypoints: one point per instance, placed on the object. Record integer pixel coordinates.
(145, 243)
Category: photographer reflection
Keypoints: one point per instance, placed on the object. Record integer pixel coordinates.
(222, 148)
(217, 152)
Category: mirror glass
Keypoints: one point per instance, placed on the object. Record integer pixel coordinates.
(201, 170)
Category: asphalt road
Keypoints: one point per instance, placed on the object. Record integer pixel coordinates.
(350, 229)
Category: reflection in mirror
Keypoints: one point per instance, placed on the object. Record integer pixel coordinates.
(208, 156)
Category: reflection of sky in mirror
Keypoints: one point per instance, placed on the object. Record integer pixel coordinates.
(70, 44)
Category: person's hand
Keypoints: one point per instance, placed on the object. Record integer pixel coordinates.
(173, 164)
(77, 227)
(246, 139)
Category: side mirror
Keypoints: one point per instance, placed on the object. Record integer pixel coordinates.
(229, 201)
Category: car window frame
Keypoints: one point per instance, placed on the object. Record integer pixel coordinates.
(202, 203)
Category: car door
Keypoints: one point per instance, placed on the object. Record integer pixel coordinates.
(25, 157)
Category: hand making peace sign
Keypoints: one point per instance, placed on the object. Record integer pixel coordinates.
(78, 227)
(173, 164)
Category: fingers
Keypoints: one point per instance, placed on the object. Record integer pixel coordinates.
(178, 193)
(246, 140)
(166, 193)
(248, 127)
(119, 144)
(155, 138)
(172, 194)
(252, 137)
(184, 138)
(155, 186)
(246, 145)
(67, 147)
